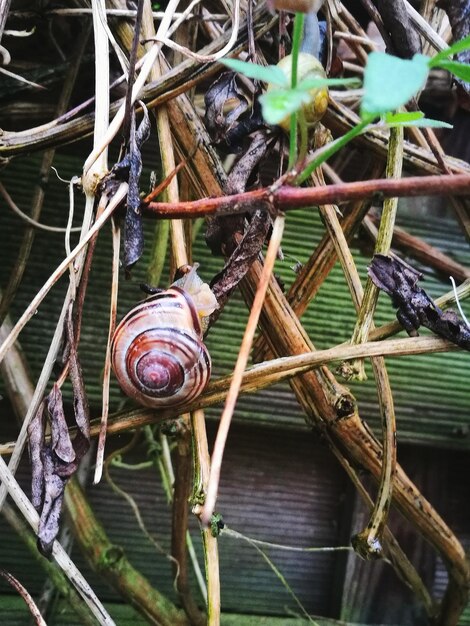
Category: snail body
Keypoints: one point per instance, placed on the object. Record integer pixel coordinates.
(157, 352)
(308, 66)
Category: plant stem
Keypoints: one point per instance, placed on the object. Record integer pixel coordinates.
(368, 542)
(382, 246)
(333, 147)
(287, 198)
(110, 561)
(116, 237)
(296, 42)
(274, 371)
(200, 482)
(240, 366)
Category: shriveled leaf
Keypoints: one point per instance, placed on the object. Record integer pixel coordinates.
(458, 46)
(280, 103)
(133, 237)
(460, 70)
(242, 258)
(80, 401)
(52, 505)
(58, 459)
(228, 117)
(265, 73)
(60, 438)
(36, 430)
(390, 82)
(129, 169)
(414, 307)
(255, 234)
(143, 131)
(133, 228)
(219, 118)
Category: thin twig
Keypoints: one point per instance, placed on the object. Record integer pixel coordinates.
(213, 17)
(54, 277)
(424, 29)
(240, 366)
(398, 558)
(107, 362)
(220, 53)
(368, 542)
(271, 372)
(33, 609)
(201, 480)
(131, 71)
(459, 306)
(29, 220)
(39, 188)
(181, 485)
(150, 59)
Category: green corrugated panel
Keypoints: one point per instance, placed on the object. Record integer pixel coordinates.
(300, 494)
(15, 613)
(431, 392)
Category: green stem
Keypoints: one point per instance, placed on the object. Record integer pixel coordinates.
(296, 43)
(333, 147)
(158, 254)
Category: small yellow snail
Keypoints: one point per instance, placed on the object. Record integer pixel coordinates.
(308, 67)
(157, 352)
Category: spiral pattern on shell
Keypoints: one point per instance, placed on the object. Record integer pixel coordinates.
(157, 352)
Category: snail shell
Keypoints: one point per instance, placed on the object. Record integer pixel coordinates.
(308, 66)
(157, 352)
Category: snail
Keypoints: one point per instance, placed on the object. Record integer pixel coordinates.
(157, 352)
(308, 67)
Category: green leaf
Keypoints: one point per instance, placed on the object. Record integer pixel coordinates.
(461, 70)
(280, 103)
(413, 118)
(314, 83)
(268, 74)
(404, 116)
(423, 122)
(458, 46)
(389, 82)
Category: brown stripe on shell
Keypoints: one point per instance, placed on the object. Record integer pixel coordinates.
(192, 308)
(165, 324)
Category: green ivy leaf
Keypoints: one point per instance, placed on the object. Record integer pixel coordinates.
(458, 46)
(389, 82)
(279, 103)
(268, 73)
(461, 70)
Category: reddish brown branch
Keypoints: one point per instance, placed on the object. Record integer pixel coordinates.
(15, 583)
(286, 198)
